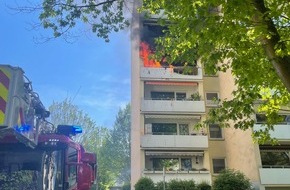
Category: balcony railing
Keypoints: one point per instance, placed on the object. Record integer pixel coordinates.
(197, 176)
(275, 176)
(281, 131)
(174, 141)
(186, 106)
(148, 73)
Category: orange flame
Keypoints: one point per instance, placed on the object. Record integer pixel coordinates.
(145, 53)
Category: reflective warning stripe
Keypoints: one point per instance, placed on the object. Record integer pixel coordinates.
(4, 90)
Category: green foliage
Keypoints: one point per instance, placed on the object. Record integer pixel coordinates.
(144, 183)
(126, 186)
(203, 186)
(63, 15)
(67, 113)
(114, 153)
(16, 180)
(195, 96)
(231, 180)
(160, 185)
(181, 184)
(256, 53)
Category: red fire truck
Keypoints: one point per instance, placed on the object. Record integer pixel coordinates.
(33, 154)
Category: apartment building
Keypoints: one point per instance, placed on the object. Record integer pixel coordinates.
(167, 103)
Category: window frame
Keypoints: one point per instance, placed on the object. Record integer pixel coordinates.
(220, 131)
(214, 169)
(209, 102)
(174, 97)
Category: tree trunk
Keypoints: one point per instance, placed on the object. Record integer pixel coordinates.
(281, 63)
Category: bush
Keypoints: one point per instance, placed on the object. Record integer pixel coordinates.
(231, 180)
(144, 183)
(159, 185)
(203, 186)
(181, 185)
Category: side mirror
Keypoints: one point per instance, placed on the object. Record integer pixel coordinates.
(89, 158)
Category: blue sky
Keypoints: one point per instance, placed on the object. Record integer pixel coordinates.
(94, 73)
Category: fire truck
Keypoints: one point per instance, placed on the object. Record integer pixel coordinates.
(35, 155)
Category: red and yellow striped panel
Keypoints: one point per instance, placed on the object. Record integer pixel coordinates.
(4, 90)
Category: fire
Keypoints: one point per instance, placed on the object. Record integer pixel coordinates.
(145, 53)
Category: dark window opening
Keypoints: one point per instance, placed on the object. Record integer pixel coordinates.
(215, 131)
(218, 165)
(162, 95)
(164, 128)
(275, 159)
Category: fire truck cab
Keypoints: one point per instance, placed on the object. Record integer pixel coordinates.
(33, 154)
(56, 163)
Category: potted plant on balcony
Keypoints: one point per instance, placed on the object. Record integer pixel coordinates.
(168, 164)
(195, 96)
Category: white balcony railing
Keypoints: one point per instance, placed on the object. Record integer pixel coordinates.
(174, 141)
(163, 106)
(275, 176)
(148, 73)
(197, 176)
(281, 131)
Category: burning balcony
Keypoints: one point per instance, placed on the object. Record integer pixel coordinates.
(169, 73)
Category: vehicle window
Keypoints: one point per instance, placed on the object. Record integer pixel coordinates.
(53, 171)
(72, 157)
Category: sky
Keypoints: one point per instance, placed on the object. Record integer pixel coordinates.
(93, 73)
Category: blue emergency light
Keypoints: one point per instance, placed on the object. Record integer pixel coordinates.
(69, 130)
(22, 128)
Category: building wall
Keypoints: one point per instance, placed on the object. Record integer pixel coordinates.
(136, 154)
(241, 152)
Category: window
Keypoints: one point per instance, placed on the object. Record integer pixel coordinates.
(164, 128)
(282, 119)
(275, 158)
(215, 131)
(180, 96)
(168, 163)
(183, 129)
(218, 165)
(212, 98)
(162, 95)
(186, 163)
(72, 158)
(168, 95)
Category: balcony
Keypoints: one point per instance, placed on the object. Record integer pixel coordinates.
(197, 176)
(148, 73)
(281, 131)
(165, 106)
(175, 141)
(275, 176)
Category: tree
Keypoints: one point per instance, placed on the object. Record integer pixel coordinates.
(61, 16)
(250, 38)
(231, 180)
(66, 113)
(116, 149)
